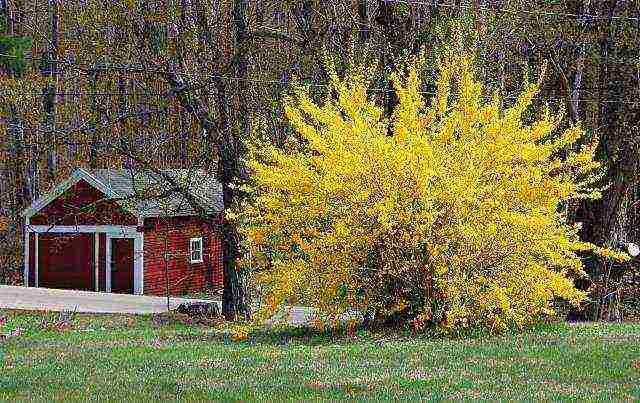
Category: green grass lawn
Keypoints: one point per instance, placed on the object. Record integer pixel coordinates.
(129, 358)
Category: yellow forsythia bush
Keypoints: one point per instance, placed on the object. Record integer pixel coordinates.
(451, 212)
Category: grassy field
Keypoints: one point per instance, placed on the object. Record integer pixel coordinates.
(130, 358)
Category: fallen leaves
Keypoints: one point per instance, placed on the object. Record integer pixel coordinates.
(13, 333)
(61, 322)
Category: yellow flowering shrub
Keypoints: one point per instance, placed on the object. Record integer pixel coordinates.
(450, 212)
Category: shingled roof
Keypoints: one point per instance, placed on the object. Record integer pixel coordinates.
(148, 194)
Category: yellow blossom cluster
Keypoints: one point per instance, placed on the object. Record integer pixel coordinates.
(451, 211)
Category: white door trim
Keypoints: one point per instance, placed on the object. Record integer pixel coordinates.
(57, 229)
(36, 266)
(107, 266)
(138, 265)
(138, 260)
(26, 255)
(111, 231)
(96, 259)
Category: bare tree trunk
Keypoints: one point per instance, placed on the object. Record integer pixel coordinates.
(31, 159)
(95, 122)
(16, 132)
(397, 30)
(574, 112)
(363, 19)
(607, 224)
(205, 40)
(387, 19)
(226, 143)
(123, 139)
(182, 28)
(241, 34)
(50, 70)
(609, 118)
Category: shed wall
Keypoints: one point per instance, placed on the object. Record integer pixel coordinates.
(184, 277)
(84, 205)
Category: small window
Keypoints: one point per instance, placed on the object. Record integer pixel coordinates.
(195, 250)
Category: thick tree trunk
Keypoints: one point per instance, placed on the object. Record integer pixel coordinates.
(222, 139)
(607, 219)
(234, 296)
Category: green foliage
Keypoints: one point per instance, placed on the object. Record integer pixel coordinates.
(13, 51)
(13, 54)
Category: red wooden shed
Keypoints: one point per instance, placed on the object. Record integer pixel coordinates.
(126, 231)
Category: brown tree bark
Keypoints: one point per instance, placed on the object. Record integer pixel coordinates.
(49, 97)
(607, 220)
(222, 140)
(363, 19)
(234, 295)
(95, 123)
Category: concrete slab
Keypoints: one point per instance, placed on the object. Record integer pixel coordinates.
(45, 299)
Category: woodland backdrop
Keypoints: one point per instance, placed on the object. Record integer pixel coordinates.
(185, 83)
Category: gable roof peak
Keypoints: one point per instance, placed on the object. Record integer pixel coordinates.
(145, 193)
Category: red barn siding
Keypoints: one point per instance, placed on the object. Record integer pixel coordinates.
(82, 204)
(183, 276)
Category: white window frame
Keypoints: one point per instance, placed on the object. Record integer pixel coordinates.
(191, 250)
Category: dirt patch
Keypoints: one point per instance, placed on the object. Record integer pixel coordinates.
(173, 318)
(348, 388)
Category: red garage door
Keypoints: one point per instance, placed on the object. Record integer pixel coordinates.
(66, 261)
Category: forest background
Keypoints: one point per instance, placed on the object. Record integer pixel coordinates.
(185, 83)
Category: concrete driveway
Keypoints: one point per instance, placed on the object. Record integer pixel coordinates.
(45, 299)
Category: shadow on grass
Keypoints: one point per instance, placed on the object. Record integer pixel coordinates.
(182, 328)
(343, 335)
